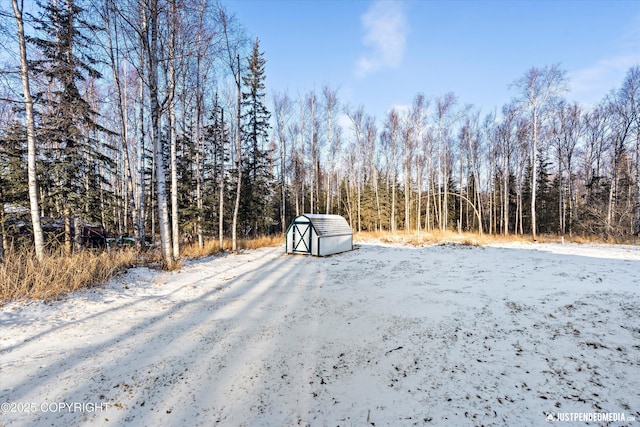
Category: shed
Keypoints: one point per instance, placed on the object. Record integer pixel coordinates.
(319, 235)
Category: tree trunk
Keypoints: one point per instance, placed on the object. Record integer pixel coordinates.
(175, 224)
(283, 186)
(534, 172)
(407, 200)
(121, 91)
(3, 231)
(236, 208)
(38, 237)
(460, 201)
(636, 229)
(419, 198)
(393, 203)
(221, 189)
(161, 186)
(199, 201)
(140, 166)
(375, 186)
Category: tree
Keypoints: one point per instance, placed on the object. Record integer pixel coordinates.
(470, 143)
(566, 128)
(417, 119)
(445, 118)
(596, 124)
(38, 238)
(107, 12)
(234, 41)
(390, 141)
(621, 107)
(149, 33)
(282, 109)
(314, 149)
(217, 137)
(371, 167)
(357, 120)
(331, 106)
(506, 138)
(173, 62)
(410, 130)
(538, 88)
(13, 175)
(203, 51)
(629, 97)
(69, 122)
(255, 134)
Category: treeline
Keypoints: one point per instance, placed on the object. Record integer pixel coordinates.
(151, 118)
(540, 165)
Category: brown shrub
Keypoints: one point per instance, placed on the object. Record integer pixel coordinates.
(22, 276)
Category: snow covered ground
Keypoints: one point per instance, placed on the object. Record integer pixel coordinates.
(386, 335)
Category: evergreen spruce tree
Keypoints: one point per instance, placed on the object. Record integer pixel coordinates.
(13, 180)
(216, 151)
(13, 174)
(68, 122)
(256, 191)
(547, 221)
(187, 210)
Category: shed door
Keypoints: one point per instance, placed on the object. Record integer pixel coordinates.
(302, 237)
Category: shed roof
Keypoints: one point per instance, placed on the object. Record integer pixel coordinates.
(329, 225)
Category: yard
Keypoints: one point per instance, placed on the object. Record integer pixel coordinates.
(385, 335)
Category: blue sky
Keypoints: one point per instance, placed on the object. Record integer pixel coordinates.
(380, 54)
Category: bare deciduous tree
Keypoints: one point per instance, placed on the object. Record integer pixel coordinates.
(537, 89)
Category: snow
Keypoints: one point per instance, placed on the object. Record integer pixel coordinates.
(385, 335)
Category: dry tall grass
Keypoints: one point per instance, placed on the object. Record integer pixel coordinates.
(21, 276)
(212, 247)
(261, 242)
(434, 237)
(474, 239)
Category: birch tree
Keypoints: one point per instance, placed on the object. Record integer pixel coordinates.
(390, 141)
(505, 145)
(630, 97)
(357, 120)
(233, 42)
(38, 238)
(331, 106)
(313, 143)
(114, 48)
(470, 144)
(370, 145)
(566, 130)
(150, 25)
(173, 62)
(537, 89)
(444, 117)
(282, 107)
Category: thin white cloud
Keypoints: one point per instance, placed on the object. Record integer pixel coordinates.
(402, 109)
(593, 83)
(385, 29)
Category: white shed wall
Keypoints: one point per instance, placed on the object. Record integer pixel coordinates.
(319, 235)
(334, 244)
